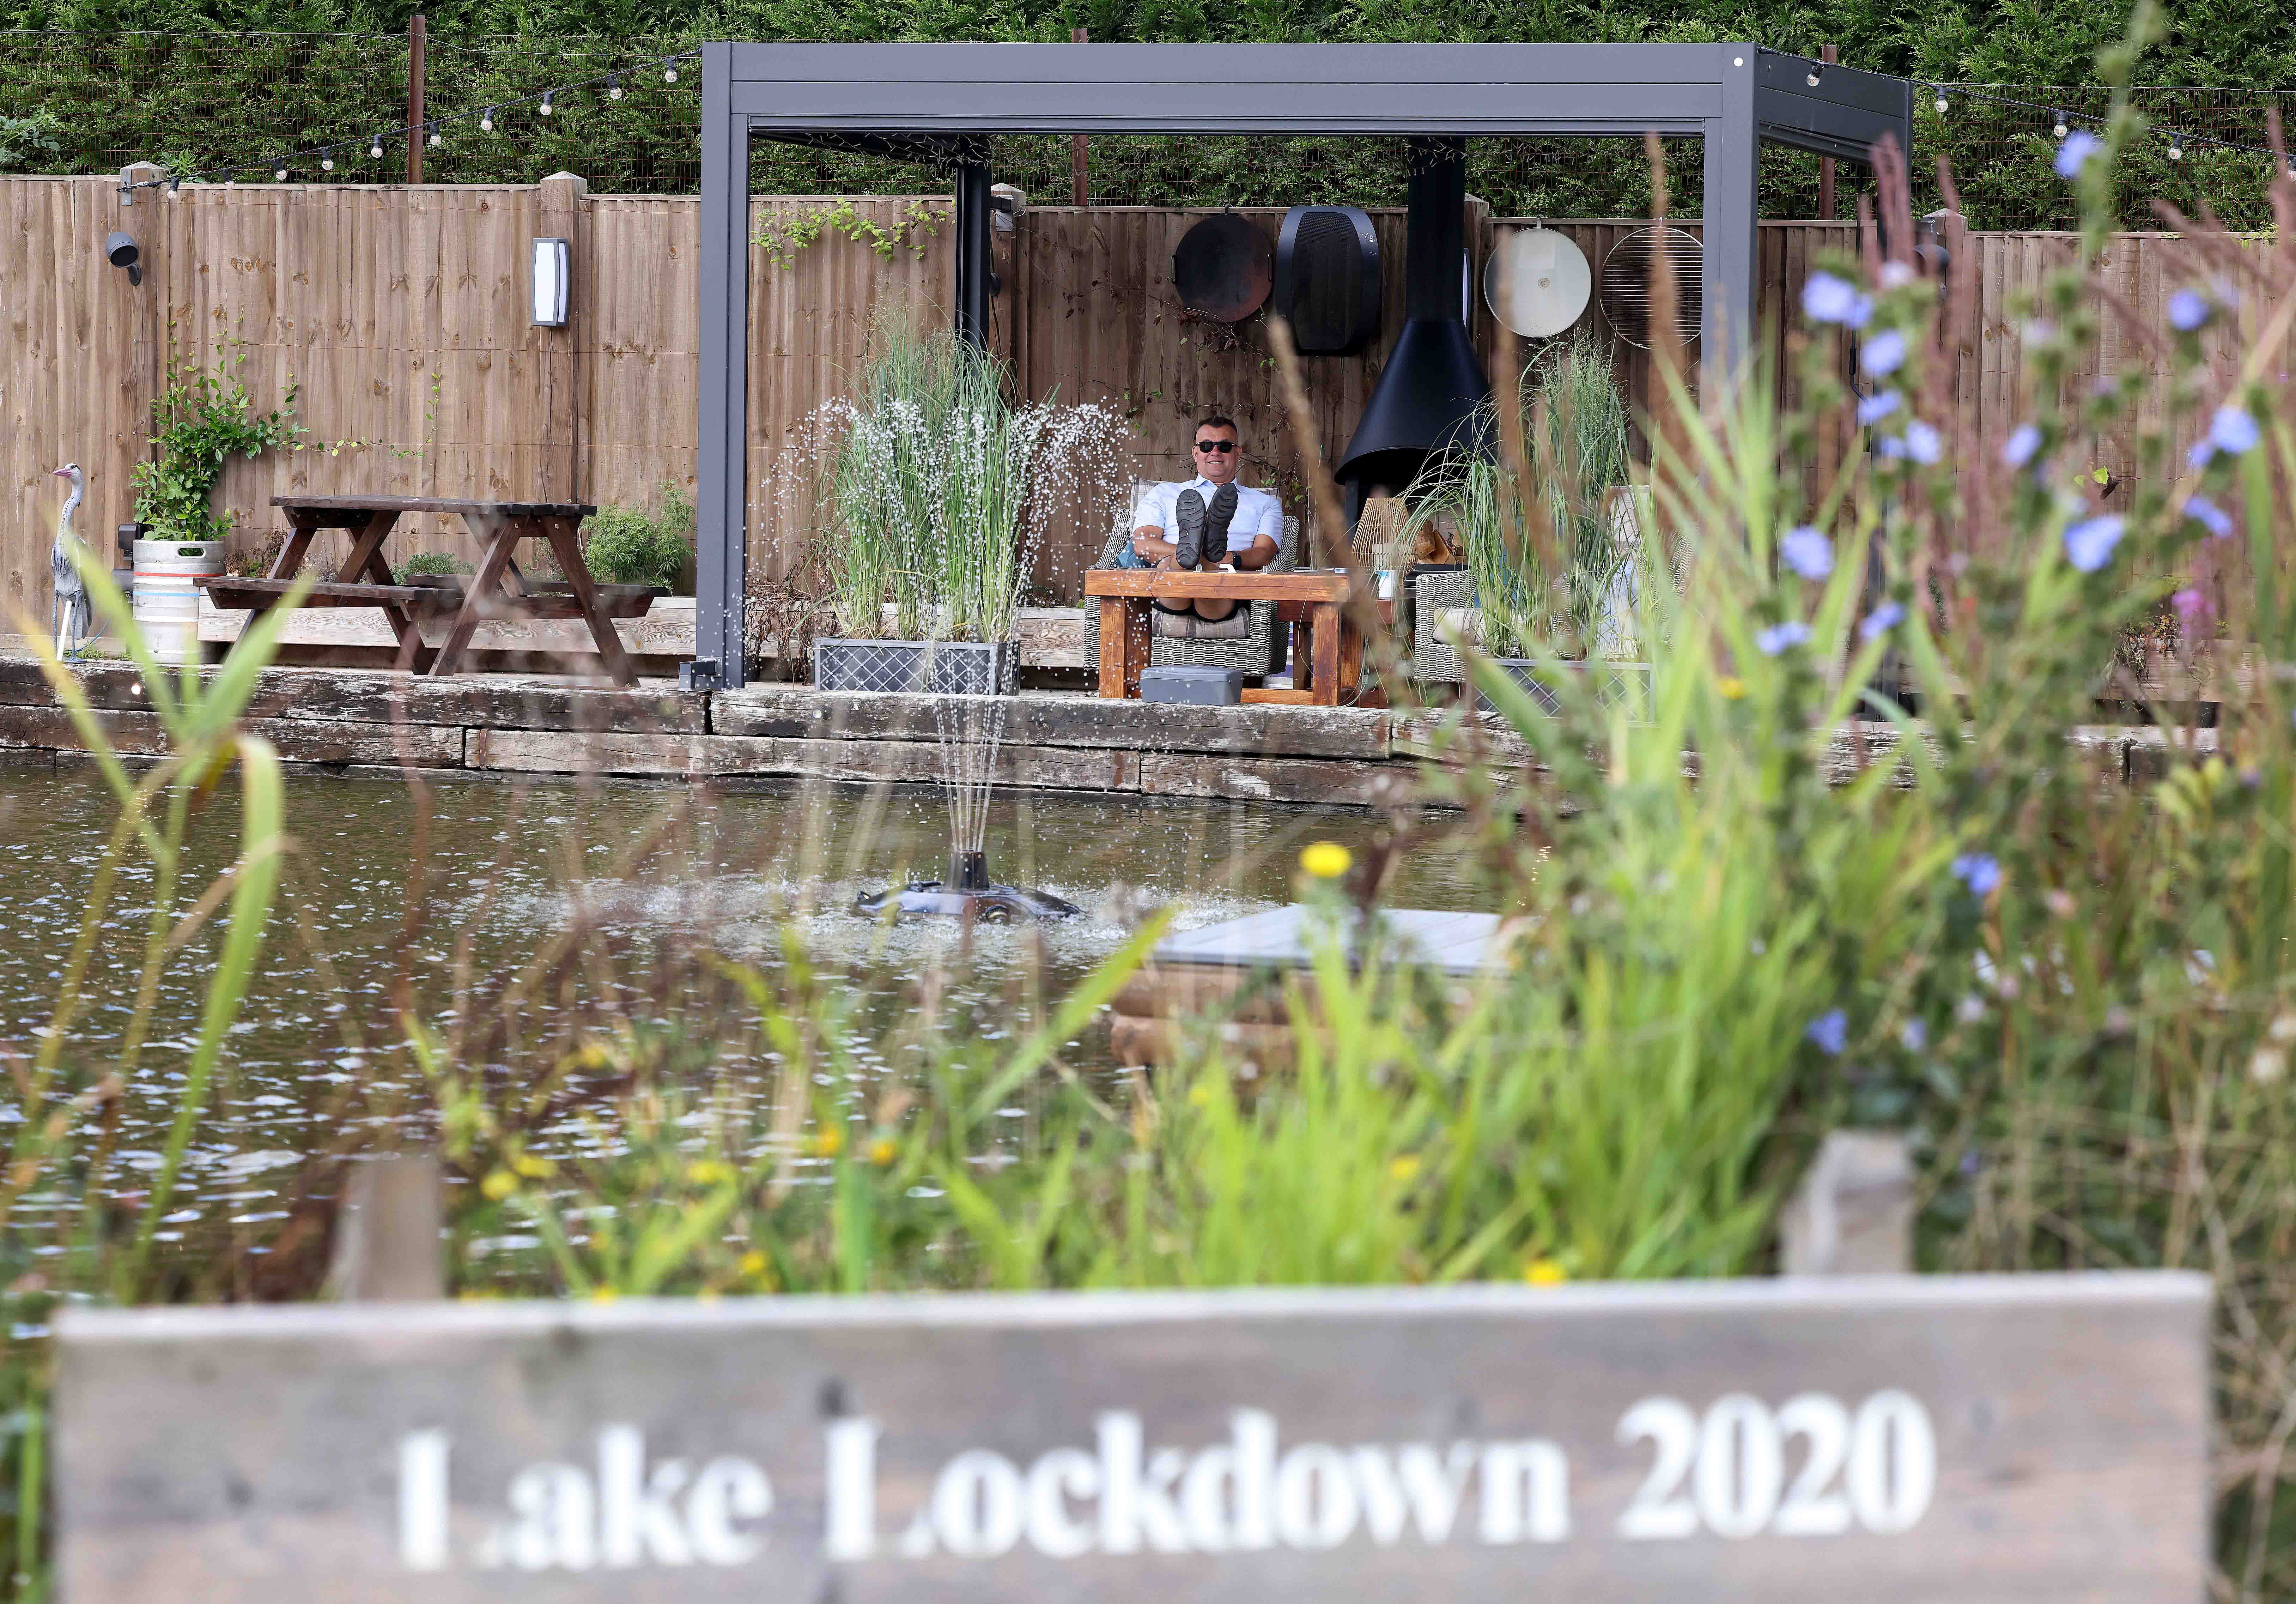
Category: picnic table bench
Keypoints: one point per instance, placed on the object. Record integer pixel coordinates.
(1327, 660)
(498, 590)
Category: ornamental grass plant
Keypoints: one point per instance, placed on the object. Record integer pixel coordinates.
(933, 488)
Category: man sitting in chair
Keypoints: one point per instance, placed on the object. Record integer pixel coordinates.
(1209, 522)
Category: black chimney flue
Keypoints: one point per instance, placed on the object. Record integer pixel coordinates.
(1429, 394)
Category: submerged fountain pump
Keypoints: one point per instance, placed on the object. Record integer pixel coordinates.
(967, 893)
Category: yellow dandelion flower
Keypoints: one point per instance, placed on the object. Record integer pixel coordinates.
(1403, 1167)
(828, 1144)
(1545, 1272)
(498, 1184)
(883, 1151)
(1731, 687)
(1326, 860)
(603, 1295)
(531, 1167)
(1200, 1096)
(753, 1265)
(708, 1171)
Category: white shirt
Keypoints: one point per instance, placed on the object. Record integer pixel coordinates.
(1257, 513)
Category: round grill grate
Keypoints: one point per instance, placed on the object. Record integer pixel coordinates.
(1626, 283)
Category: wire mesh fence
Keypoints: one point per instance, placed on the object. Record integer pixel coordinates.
(199, 103)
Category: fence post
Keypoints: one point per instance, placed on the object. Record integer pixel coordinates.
(1853, 1214)
(386, 1247)
(1829, 54)
(416, 30)
(563, 213)
(1079, 148)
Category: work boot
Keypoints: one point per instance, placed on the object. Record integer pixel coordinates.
(1188, 512)
(1217, 518)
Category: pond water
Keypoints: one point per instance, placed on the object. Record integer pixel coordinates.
(507, 868)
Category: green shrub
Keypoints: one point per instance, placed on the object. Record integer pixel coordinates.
(33, 143)
(432, 563)
(627, 545)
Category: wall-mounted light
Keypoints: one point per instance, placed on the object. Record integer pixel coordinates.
(120, 250)
(552, 268)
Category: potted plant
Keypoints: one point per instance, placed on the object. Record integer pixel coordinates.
(1550, 527)
(934, 490)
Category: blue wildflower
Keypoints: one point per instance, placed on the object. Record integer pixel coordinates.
(1920, 442)
(2187, 310)
(1980, 871)
(1914, 1035)
(1777, 637)
(1872, 409)
(2023, 441)
(1807, 551)
(1825, 299)
(1884, 354)
(2232, 430)
(2210, 517)
(2089, 544)
(2073, 153)
(1881, 620)
(1830, 1031)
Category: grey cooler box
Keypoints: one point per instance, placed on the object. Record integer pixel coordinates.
(1196, 685)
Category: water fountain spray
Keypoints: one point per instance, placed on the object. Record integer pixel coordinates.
(971, 729)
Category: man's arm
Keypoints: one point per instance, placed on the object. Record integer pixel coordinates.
(1262, 553)
(1263, 547)
(1148, 540)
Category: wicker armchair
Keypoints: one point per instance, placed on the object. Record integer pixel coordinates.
(1255, 652)
(1432, 656)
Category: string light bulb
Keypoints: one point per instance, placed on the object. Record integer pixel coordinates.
(546, 93)
(2061, 124)
(375, 148)
(487, 120)
(1815, 73)
(670, 72)
(2175, 147)
(326, 162)
(613, 86)
(1940, 105)
(437, 138)
(279, 173)
(175, 189)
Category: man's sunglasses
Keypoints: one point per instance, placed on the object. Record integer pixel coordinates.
(1215, 445)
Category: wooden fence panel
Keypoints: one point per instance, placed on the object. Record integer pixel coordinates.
(74, 375)
(401, 316)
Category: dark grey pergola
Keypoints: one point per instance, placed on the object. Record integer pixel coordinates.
(941, 101)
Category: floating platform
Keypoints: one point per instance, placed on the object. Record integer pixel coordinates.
(1234, 970)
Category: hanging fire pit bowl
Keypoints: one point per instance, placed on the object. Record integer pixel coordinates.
(1224, 268)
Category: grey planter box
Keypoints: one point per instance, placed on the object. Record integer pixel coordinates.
(941, 667)
(1615, 685)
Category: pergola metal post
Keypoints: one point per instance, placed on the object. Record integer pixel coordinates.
(972, 271)
(938, 102)
(1733, 152)
(721, 492)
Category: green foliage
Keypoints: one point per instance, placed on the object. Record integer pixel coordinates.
(432, 563)
(627, 545)
(1543, 533)
(784, 231)
(34, 143)
(202, 421)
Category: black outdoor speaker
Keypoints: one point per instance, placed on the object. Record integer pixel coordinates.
(1327, 279)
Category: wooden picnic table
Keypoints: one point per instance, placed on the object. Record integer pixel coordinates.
(1326, 660)
(498, 590)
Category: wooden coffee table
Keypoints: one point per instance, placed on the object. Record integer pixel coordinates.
(1330, 657)
(497, 590)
